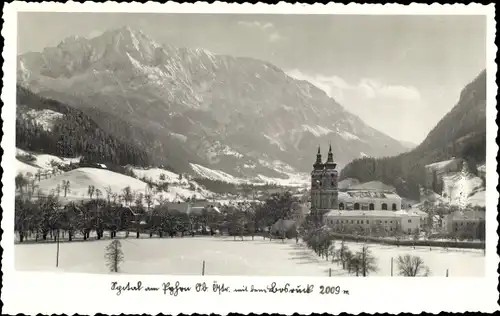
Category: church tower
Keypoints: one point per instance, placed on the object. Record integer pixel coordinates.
(330, 183)
(316, 182)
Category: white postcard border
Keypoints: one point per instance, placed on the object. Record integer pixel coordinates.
(48, 293)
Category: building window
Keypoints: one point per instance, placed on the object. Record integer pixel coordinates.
(384, 207)
(341, 206)
(391, 229)
(356, 206)
(391, 222)
(372, 207)
(385, 222)
(361, 222)
(357, 221)
(352, 221)
(394, 207)
(409, 221)
(367, 221)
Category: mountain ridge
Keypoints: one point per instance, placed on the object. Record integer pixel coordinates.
(460, 133)
(199, 99)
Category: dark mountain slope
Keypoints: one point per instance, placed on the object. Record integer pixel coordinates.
(460, 133)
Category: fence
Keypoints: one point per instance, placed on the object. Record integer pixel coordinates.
(416, 243)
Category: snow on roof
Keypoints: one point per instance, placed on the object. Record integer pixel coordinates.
(441, 164)
(368, 195)
(468, 215)
(481, 168)
(347, 183)
(335, 213)
(372, 186)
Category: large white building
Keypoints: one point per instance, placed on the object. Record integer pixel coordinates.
(386, 222)
(369, 201)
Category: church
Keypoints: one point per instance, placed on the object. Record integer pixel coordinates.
(324, 184)
(325, 194)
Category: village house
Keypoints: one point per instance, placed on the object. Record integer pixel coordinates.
(369, 201)
(434, 172)
(467, 223)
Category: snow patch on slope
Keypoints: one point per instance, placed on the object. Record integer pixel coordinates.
(459, 187)
(317, 130)
(216, 175)
(80, 179)
(45, 118)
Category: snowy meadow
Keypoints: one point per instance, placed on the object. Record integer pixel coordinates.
(229, 257)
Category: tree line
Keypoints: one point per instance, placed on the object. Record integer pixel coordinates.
(42, 216)
(460, 133)
(331, 247)
(73, 134)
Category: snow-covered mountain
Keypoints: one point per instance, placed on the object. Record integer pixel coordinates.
(226, 113)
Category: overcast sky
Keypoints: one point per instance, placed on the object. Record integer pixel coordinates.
(400, 74)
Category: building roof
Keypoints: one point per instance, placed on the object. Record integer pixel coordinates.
(368, 195)
(184, 206)
(372, 186)
(347, 183)
(407, 213)
(441, 164)
(481, 168)
(468, 215)
(339, 213)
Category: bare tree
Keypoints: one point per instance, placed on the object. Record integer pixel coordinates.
(91, 191)
(58, 190)
(114, 255)
(39, 174)
(138, 199)
(412, 266)
(367, 261)
(148, 198)
(109, 193)
(98, 193)
(341, 254)
(21, 182)
(127, 195)
(66, 187)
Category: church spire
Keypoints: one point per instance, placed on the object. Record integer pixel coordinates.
(329, 162)
(318, 164)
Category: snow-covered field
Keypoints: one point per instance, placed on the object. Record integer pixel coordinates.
(460, 187)
(42, 161)
(81, 178)
(216, 175)
(156, 173)
(224, 256)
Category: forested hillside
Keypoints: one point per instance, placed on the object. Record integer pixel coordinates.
(71, 134)
(461, 133)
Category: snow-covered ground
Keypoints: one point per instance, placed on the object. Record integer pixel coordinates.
(216, 175)
(42, 161)
(156, 173)
(224, 256)
(24, 168)
(462, 188)
(80, 179)
(45, 118)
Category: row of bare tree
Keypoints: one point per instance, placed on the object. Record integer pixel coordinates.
(361, 262)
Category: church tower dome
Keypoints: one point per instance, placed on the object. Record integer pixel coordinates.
(330, 164)
(318, 165)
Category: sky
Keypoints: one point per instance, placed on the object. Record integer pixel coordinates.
(399, 74)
